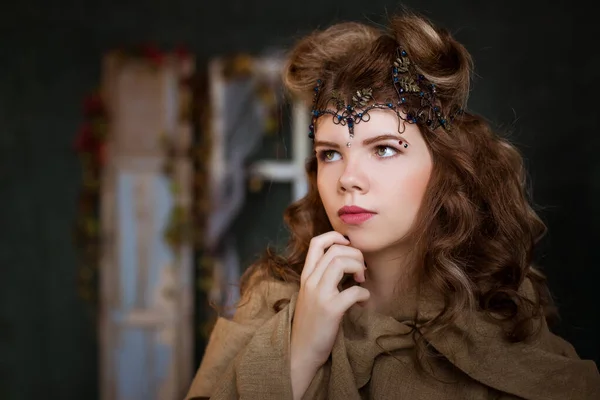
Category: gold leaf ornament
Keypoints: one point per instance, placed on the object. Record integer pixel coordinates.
(362, 97)
(338, 100)
(402, 64)
(409, 85)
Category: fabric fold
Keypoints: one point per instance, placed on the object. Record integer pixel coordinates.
(373, 357)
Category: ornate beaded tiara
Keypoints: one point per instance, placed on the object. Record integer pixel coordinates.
(407, 82)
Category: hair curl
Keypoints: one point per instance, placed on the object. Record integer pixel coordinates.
(476, 230)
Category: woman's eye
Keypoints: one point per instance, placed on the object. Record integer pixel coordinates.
(385, 151)
(330, 155)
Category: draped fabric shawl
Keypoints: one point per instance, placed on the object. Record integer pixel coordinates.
(372, 358)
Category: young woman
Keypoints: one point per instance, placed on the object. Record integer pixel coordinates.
(408, 274)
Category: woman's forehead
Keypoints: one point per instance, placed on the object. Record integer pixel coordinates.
(379, 122)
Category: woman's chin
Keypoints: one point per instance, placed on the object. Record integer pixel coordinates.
(364, 244)
(367, 242)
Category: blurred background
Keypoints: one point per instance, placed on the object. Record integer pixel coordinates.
(147, 153)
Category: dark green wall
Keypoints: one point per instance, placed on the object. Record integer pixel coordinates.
(531, 79)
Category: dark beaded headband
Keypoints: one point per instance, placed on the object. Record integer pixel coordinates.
(406, 83)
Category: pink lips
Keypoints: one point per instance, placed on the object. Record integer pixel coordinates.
(355, 215)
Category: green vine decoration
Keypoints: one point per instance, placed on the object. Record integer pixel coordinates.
(90, 146)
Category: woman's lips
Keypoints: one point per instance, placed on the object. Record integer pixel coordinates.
(356, 218)
(355, 215)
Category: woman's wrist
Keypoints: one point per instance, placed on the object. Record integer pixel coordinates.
(302, 372)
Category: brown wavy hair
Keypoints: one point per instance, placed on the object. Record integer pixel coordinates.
(476, 229)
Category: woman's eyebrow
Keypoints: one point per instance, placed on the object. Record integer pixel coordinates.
(372, 140)
(327, 144)
(365, 142)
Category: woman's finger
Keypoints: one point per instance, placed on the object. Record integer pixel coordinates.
(347, 298)
(335, 251)
(318, 246)
(336, 269)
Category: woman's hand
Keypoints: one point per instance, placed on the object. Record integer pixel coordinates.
(320, 305)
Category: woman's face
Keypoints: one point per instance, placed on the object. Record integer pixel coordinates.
(383, 172)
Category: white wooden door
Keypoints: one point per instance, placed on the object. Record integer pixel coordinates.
(146, 315)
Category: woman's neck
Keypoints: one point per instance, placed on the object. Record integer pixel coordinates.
(388, 275)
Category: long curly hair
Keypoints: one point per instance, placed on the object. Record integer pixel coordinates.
(476, 230)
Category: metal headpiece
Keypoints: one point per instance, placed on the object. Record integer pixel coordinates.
(407, 84)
